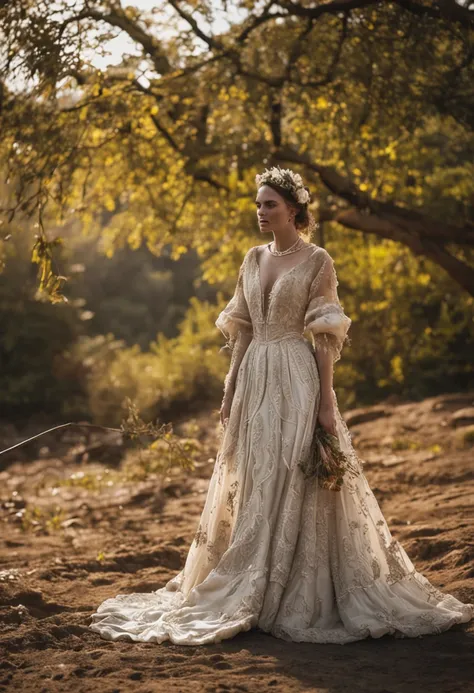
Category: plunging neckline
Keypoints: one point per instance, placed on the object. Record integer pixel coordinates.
(270, 294)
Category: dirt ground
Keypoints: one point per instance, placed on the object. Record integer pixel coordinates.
(72, 536)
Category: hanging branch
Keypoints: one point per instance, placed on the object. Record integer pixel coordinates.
(42, 254)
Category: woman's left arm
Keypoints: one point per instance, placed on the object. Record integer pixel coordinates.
(328, 324)
(326, 415)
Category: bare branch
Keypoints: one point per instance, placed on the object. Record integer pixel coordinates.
(119, 19)
(253, 22)
(211, 42)
(441, 9)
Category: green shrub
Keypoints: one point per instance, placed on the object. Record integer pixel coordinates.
(175, 376)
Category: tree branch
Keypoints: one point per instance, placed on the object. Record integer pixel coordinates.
(398, 230)
(440, 9)
(211, 41)
(419, 232)
(118, 19)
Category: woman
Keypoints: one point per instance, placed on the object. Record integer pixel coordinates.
(274, 550)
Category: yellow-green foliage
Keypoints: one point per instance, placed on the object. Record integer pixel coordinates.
(411, 334)
(412, 331)
(47, 520)
(405, 444)
(174, 373)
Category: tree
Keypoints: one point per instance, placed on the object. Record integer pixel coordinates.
(371, 101)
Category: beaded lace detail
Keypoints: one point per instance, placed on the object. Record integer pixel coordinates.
(303, 298)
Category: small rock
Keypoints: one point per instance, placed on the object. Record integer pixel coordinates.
(462, 417)
(358, 416)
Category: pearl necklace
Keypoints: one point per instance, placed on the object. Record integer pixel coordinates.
(292, 249)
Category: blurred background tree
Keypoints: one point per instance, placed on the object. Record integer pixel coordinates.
(371, 102)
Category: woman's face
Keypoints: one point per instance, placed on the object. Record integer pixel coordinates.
(273, 211)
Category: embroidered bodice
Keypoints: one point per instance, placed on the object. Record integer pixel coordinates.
(271, 269)
(303, 297)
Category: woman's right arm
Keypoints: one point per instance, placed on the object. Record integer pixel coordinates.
(235, 324)
(240, 347)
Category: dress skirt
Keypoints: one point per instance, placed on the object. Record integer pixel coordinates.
(275, 551)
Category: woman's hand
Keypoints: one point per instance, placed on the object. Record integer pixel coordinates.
(226, 405)
(327, 417)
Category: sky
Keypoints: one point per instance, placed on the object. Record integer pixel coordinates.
(122, 44)
(112, 51)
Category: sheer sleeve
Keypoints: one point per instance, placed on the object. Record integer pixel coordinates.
(235, 317)
(325, 317)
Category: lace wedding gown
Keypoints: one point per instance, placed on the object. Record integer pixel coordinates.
(273, 550)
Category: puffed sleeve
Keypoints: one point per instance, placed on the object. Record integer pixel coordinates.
(325, 317)
(236, 315)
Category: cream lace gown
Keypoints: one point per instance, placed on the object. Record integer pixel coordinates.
(273, 550)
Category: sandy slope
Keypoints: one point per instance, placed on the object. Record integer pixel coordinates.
(134, 537)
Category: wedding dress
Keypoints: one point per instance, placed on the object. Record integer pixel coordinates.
(274, 550)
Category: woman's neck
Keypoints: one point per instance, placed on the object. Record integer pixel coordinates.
(285, 240)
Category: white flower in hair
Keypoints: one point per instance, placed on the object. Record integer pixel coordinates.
(302, 196)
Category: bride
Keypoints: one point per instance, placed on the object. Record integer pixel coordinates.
(273, 549)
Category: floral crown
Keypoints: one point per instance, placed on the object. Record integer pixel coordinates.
(285, 178)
